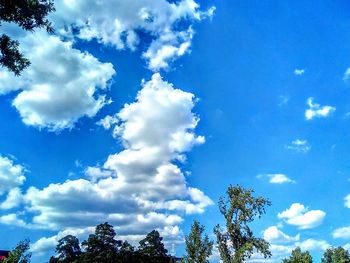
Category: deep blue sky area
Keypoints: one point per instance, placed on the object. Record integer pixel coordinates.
(255, 68)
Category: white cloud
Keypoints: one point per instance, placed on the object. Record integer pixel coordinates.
(12, 219)
(62, 84)
(315, 110)
(13, 199)
(346, 74)
(313, 244)
(347, 201)
(95, 173)
(119, 22)
(343, 232)
(276, 178)
(48, 244)
(11, 175)
(301, 216)
(299, 72)
(273, 235)
(299, 145)
(139, 188)
(108, 121)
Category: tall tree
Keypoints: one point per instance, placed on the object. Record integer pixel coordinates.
(237, 243)
(152, 249)
(20, 253)
(101, 247)
(29, 15)
(336, 255)
(298, 256)
(67, 249)
(198, 247)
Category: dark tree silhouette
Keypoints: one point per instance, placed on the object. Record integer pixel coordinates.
(67, 249)
(29, 15)
(151, 248)
(101, 246)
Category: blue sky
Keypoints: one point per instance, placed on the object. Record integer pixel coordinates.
(178, 99)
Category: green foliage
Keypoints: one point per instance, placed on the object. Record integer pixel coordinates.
(198, 248)
(28, 14)
(238, 242)
(20, 253)
(298, 257)
(336, 255)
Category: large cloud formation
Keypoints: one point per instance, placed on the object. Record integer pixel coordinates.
(119, 23)
(64, 84)
(138, 189)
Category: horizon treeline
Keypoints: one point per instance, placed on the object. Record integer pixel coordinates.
(235, 242)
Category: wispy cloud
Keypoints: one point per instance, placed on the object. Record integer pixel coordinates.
(299, 145)
(346, 74)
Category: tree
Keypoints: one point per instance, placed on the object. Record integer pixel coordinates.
(20, 253)
(238, 242)
(101, 246)
(151, 248)
(126, 253)
(29, 15)
(336, 255)
(68, 249)
(298, 257)
(198, 248)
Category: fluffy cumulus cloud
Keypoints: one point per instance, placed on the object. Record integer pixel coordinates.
(315, 110)
(342, 232)
(346, 74)
(276, 178)
(11, 176)
(299, 145)
(138, 189)
(313, 244)
(119, 23)
(274, 235)
(301, 216)
(62, 84)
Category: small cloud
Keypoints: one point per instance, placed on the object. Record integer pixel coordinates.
(343, 232)
(300, 216)
(313, 244)
(299, 72)
(108, 121)
(283, 100)
(316, 110)
(346, 74)
(276, 178)
(299, 146)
